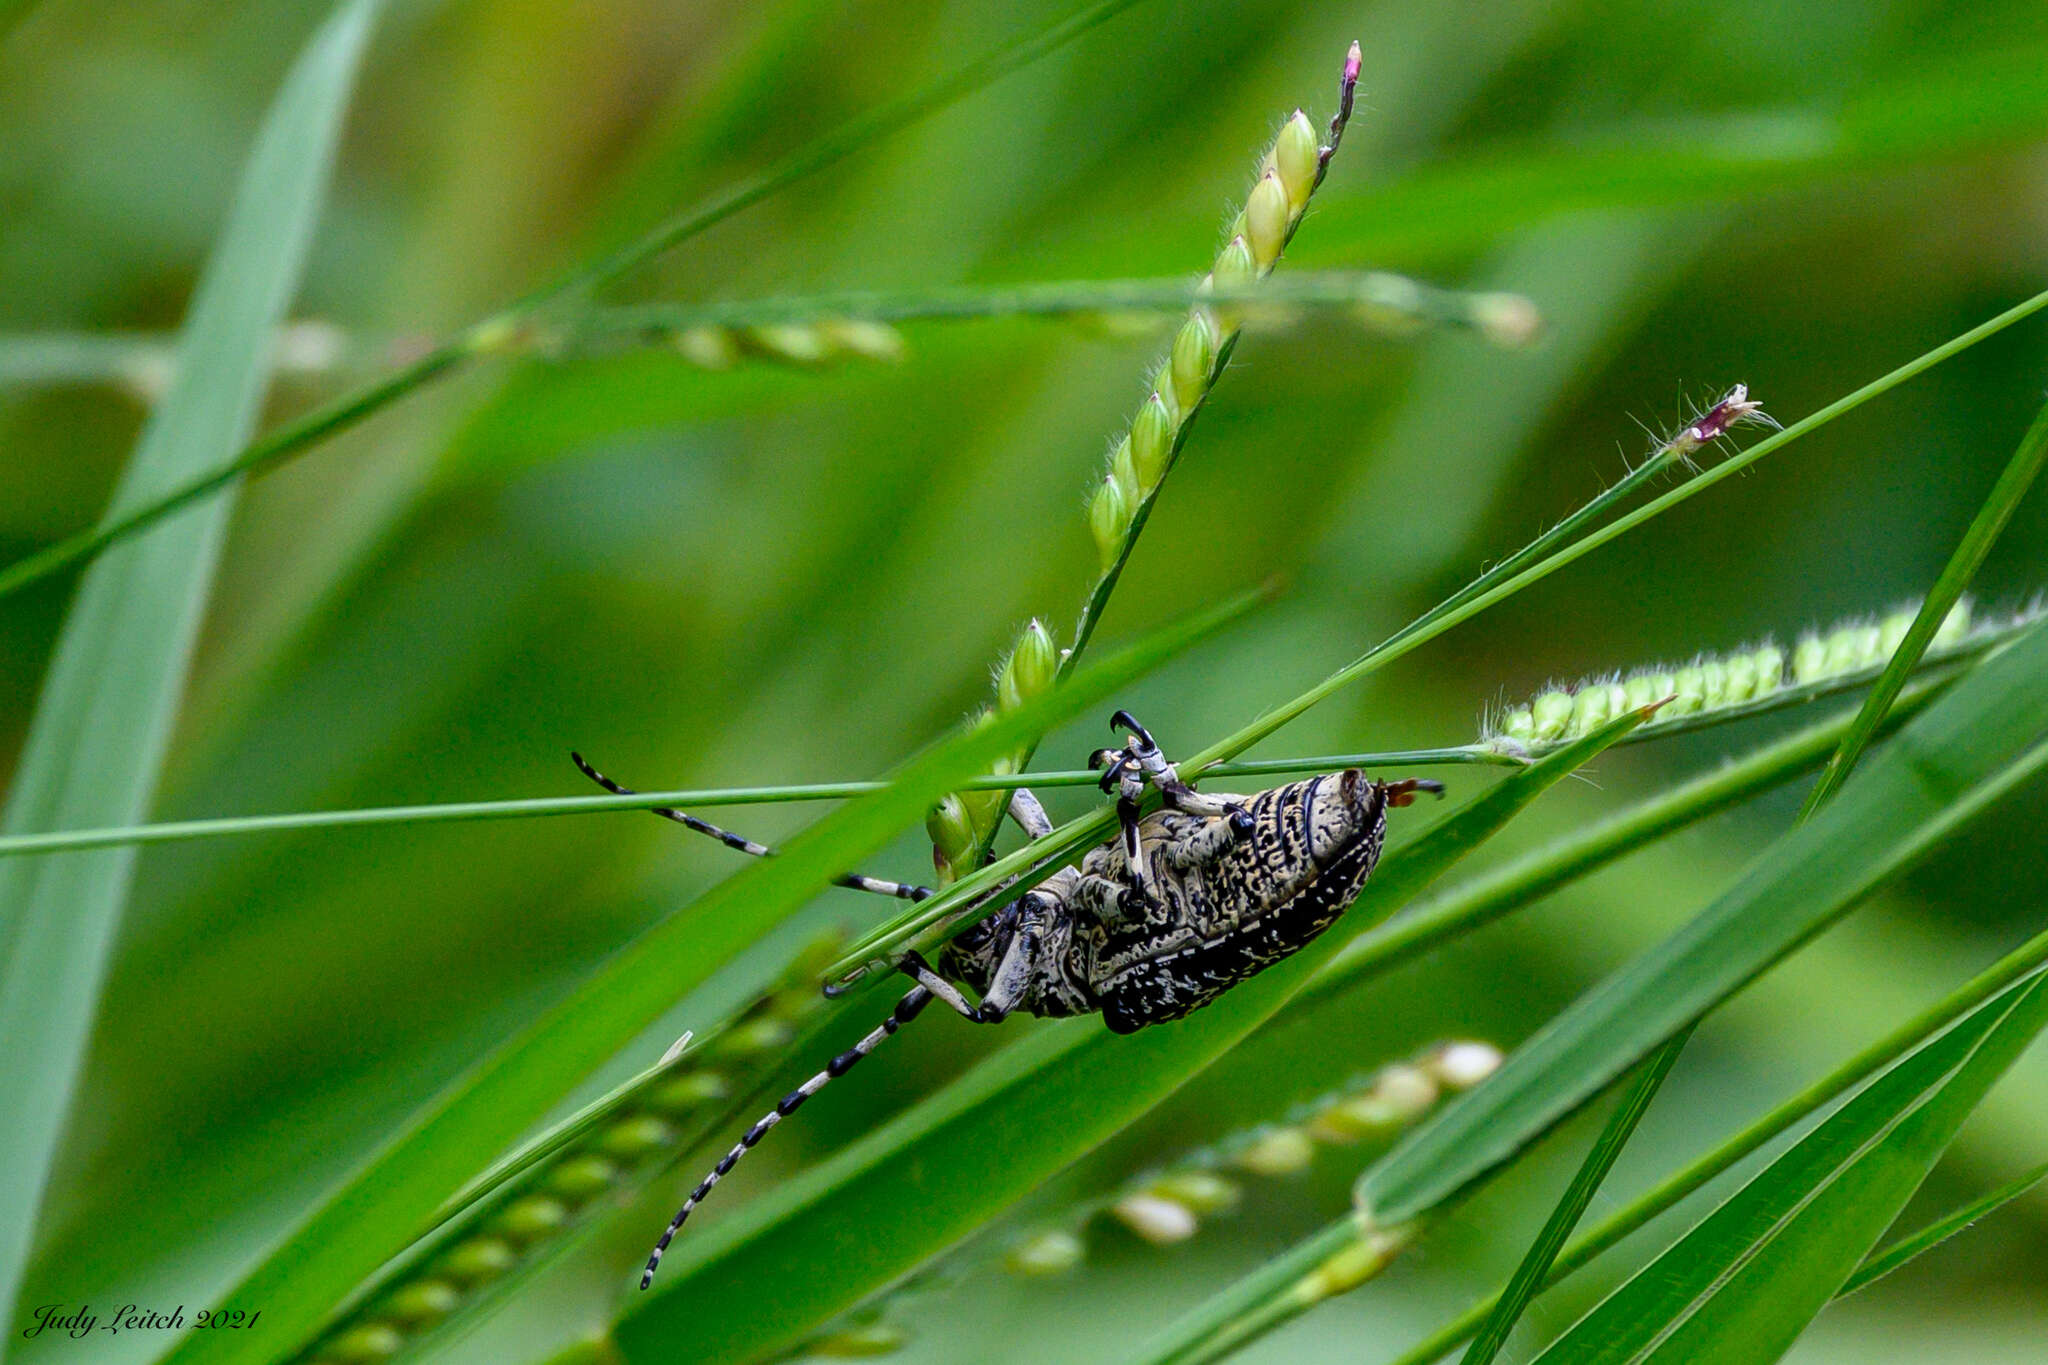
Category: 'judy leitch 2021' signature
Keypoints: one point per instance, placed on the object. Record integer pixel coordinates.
(82, 1322)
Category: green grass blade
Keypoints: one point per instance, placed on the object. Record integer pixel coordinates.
(394, 1197)
(1948, 589)
(1536, 1262)
(2019, 965)
(1917, 1244)
(1952, 761)
(912, 1186)
(104, 721)
(493, 333)
(1744, 1283)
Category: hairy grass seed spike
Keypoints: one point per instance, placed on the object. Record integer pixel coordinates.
(1183, 904)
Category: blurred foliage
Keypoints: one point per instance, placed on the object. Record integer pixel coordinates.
(768, 574)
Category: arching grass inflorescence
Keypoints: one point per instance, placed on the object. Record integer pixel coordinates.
(1170, 1203)
(1729, 684)
(963, 825)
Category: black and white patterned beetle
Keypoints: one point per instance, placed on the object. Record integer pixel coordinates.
(1185, 903)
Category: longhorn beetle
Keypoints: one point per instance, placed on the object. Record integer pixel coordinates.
(1185, 903)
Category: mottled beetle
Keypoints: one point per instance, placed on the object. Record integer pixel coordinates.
(1185, 903)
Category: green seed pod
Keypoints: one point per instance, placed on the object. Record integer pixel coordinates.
(636, 1136)
(1197, 1190)
(1691, 689)
(1234, 268)
(1043, 1254)
(1591, 709)
(752, 1037)
(582, 1175)
(1770, 670)
(423, 1301)
(859, 1342)
(1519, 725)
(1161, 1222)
(1266, 219)
(1509, 321)
(689, 1092)
(1356, 1118)
(1408, 1090)
(479, 1259)
(1741, 682)
(1151, 442)
(794, 342)
(1714, 682)
(710, 348)
(1851, 648)
(1351, 1267)
(529, 1219)
(1283, 1151)
(1809, 659)
(1462, 1065)
(1194, 359)
(1552, 712)
(1296, 157)
(1030, 669)
(861, 337)
(371, 1341)
(1641, 690)
(1123, 467)
(1109, 516)
(953, 838)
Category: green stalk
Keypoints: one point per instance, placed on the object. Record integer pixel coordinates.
(1542, 1253)
(494, 332)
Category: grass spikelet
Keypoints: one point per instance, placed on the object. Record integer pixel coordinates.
(1754, 677)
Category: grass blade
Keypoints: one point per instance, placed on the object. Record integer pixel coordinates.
(1949, 764)
(2019, 965)
(104, 721)
(1542, 1253)
(1744, 1283)
(904, 1190)
(2019, 475)
(394, 1197)
(1914, 1245)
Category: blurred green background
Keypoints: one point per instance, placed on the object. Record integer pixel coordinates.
(781, 574)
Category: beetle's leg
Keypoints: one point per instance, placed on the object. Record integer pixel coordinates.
(876, 885)
(1178, 795)
(1135, 863)
(1109, 901)
(1029, 815)
(913, 965)
(1019, 964)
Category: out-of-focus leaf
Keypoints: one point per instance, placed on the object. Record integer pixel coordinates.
(111, 697)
